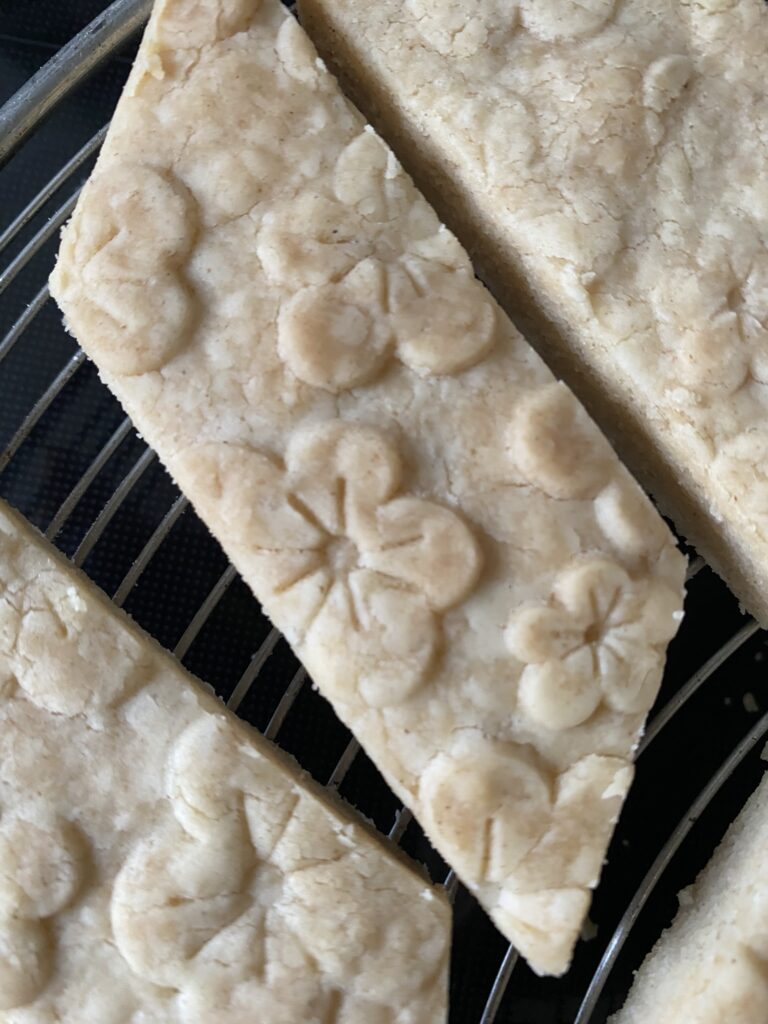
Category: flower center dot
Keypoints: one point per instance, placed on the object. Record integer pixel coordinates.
(342, 555)
(593, 633)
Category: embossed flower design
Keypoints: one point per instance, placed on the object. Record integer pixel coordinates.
(181, 890)
(536, 835)
(130, 241)
(599, 639)
(459, 29)
(85, 676)
(356, 574)
(493, 805)
(380, 279)
(240, 893)
(713, 323)
(341, 334)
(708, 338)
(556, 447)
(40, 873)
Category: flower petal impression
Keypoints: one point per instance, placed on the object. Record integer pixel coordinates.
(590, 644)
(358, 574)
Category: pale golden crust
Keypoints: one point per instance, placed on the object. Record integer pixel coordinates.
(711, 965)
(386, 461)
(586, 153)
(160, 861)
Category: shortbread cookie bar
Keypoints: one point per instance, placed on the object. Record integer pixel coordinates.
(446, 540)
(711, 966)
(161, 862)
(606, 164)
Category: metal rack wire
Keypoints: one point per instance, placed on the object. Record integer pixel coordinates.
(579, 1000)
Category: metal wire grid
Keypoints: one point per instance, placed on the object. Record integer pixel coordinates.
(21, 116)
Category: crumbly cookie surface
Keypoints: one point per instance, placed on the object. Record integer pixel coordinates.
(610, 162)
(711, 965)
(161, 862)
(441, 533)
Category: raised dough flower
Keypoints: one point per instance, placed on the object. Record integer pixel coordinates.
(252, 896)
(555, 445)
(131, 241)
(50, 658)
(528, 839)
(41, 868)
(359, 306)
(600, 638)
(355, 574)
(705, 336)
(460, 28)
(341, 334)
(186, 884)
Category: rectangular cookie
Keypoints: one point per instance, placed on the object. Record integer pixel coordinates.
(711, 965)
(443, 536)
(159, 860)
(606, 164)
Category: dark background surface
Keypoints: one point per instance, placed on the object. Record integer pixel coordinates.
(677, 765)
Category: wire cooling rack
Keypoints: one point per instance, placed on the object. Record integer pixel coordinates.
(71, 461)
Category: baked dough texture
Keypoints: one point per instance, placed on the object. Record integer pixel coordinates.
(606, 164)
(711, 965)
(446, 540)
(159, 860)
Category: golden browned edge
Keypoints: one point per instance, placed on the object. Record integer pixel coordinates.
(675, 491)
(212, 704)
